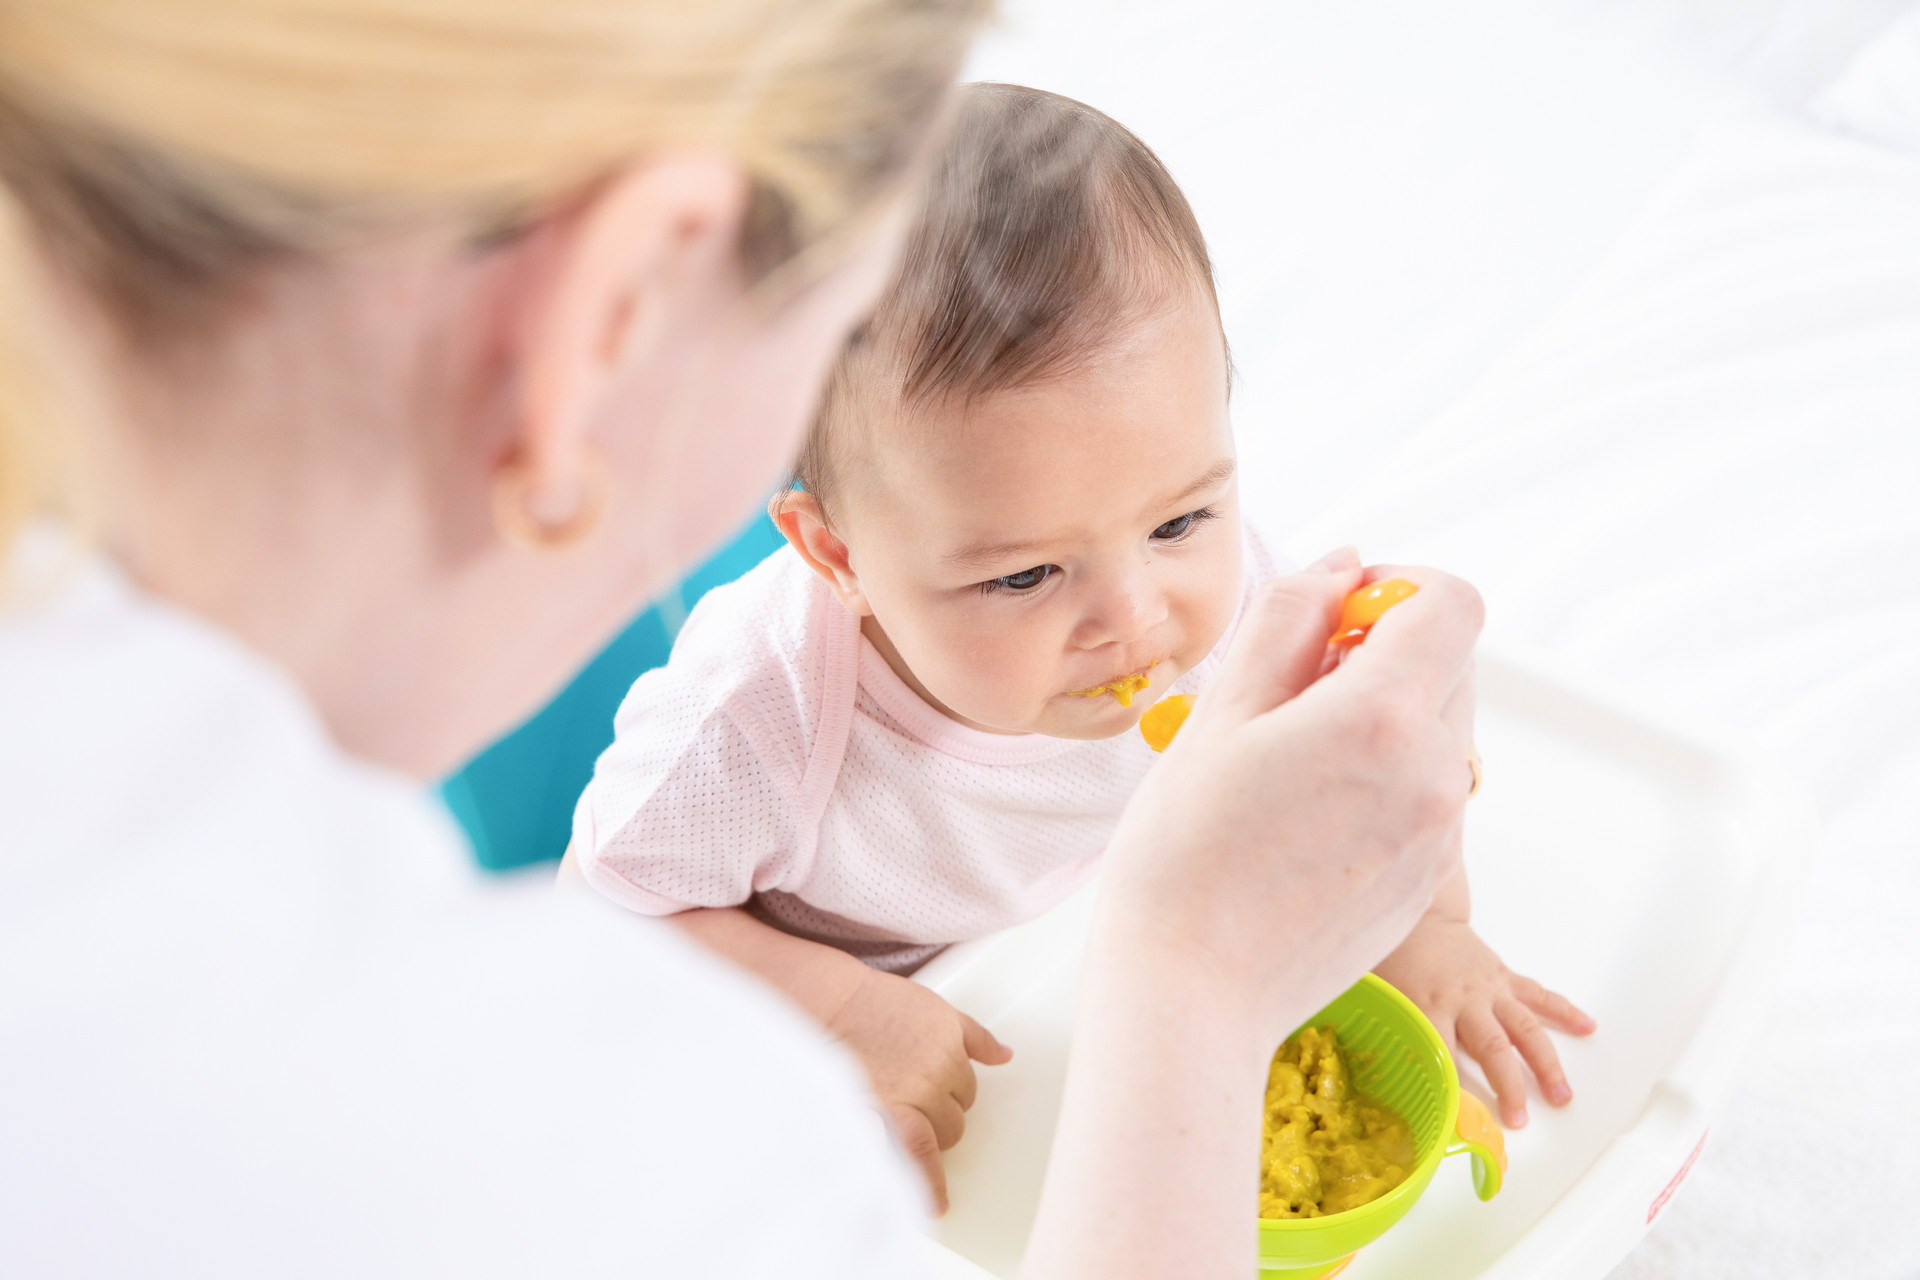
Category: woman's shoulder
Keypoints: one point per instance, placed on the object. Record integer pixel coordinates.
(413, 1079)
(133, 725)
(250, 980)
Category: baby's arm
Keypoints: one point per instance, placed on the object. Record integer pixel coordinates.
(918, 1049)
(1481, 1005)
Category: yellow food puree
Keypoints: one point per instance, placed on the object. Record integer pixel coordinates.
(1122, 689)
(1325, 1147)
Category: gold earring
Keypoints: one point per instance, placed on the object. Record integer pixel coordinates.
(522, 528)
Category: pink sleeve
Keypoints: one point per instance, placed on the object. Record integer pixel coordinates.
(677, 820)
(706, 795)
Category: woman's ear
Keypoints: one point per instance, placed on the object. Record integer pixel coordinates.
(653, 248)
(800, 517)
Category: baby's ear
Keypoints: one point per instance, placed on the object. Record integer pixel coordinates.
(803, 521)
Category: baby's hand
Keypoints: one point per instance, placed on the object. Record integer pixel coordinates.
(919, 1051)
(1479, 1004)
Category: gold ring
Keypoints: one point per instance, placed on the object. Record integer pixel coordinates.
(1474, 768)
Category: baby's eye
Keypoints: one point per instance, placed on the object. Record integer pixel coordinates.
(1180, 526)
(1025, 580)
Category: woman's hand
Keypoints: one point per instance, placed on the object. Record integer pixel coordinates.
(1302, 822)
(1287, 841)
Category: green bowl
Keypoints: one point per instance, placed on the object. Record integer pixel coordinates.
(1398, 1058)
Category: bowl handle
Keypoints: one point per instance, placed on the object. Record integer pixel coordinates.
(1475, 1131)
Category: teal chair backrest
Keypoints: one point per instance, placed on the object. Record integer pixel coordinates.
(515, 799)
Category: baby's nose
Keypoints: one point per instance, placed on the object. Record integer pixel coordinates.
(1124, 613)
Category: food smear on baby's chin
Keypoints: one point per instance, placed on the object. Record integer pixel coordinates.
(1325, 1147)
(1164, 718)
(1364, 607)
(1122, 689)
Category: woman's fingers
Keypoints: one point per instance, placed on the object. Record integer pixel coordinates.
(1553, 1008)
(916, 1136)
(1458, 710)
(1424, 643)
(1531, 1039)
(1281, 644)
(1483, 1036)
(1338, 560)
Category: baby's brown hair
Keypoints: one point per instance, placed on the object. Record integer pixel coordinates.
(1047, 231)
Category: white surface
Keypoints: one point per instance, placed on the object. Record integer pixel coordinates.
(1646, 873)
(261, 1016)
(1878, 94)
(1700, 472)
(1783, 49)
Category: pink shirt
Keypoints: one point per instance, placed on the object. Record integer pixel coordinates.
(778, 762)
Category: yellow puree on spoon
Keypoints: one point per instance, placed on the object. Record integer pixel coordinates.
(1325, 1147)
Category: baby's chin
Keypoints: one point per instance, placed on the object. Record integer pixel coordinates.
(1089, 718)
(1085, 728)
(1082, 717)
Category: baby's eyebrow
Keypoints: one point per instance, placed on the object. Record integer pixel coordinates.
(1212, 476)
(986, 554)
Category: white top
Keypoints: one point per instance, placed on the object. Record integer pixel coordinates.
(778, 761)
(260, 1017)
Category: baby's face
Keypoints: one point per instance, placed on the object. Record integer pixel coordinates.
(1051, 539)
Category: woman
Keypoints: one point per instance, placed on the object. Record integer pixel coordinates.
(394, 351)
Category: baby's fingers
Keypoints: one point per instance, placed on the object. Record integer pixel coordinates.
(981, 1045)
(1552, 1007)
(1531, 1039)
(948, 1119)
(1483, 1036)
(915, 1132)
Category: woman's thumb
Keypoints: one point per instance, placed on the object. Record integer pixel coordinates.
(1282, 639)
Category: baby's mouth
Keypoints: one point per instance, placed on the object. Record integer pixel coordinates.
(1121, 687)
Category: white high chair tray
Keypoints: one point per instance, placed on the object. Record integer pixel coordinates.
(1643, 870)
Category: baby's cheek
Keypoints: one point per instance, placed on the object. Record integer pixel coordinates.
(1203, 609)
(1001, 675)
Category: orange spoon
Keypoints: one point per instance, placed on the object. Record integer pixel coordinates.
(1364, 607)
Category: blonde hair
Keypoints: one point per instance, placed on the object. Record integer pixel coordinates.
(163, 150)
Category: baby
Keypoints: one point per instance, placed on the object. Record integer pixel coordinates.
(915, 724)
